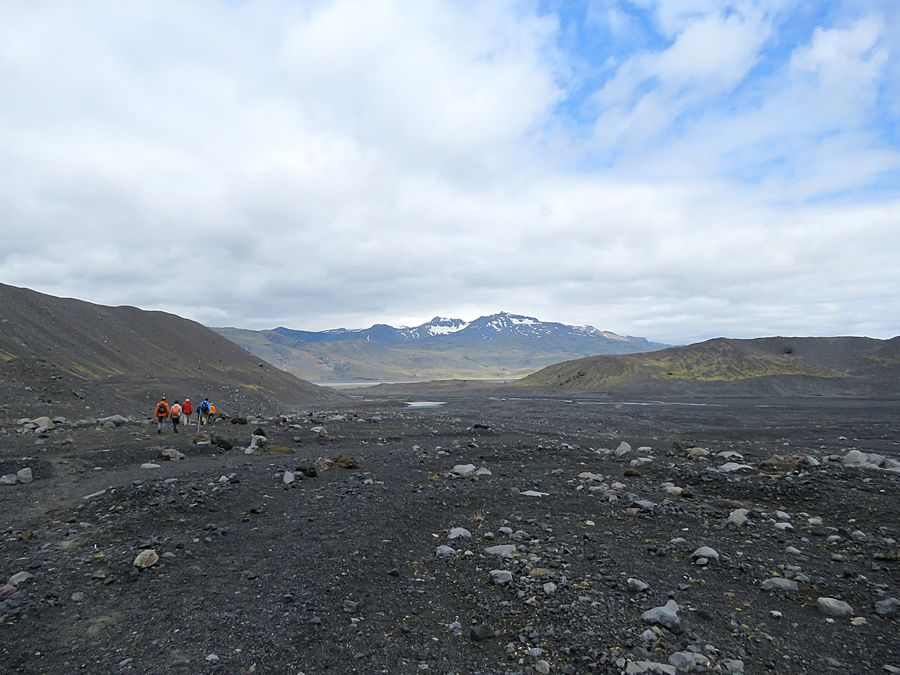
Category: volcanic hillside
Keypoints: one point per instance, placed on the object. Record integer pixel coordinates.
(762, 366)
(74, 354)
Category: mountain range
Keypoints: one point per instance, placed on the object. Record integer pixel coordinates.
(498, 346)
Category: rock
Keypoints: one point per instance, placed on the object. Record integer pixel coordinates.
(483, 472)
(782, 463)
(172, 454)
(783, 527)
(463, 470)
(149, 465)
(781, 515)
(637, 586)
(346, 462)
(649, 667)
(834, 607)
(729, 454)
(856, 458)
(542, 666)
(733, 666)
(887, 607)
(665, 616)
(705, 552)
(288, 477)
(77, 596)
(24, 475)
(319, 431)
(501, 577)
(146, 558)
(43, 422)
(779, 584)
(793, 550)
(238, 419)
(212, 659)
(734, 467)
(686, 662)
(534, 493)
(591, 477)
(503, 550)
(221, 442)
(695, 454)
(738, 517)
(623, 449)
(20, 578)
(459, 532)
(549, 588)
(258, 441)
(8, 479)
(444, 551)
(115, 420)
(481, 632)
(631, 472)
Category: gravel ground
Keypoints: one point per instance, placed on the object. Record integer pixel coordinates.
(385, 566)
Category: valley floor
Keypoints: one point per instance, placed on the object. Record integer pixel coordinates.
(345, 572)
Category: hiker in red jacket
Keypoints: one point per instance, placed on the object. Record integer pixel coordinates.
(187, 409)
(162, 412)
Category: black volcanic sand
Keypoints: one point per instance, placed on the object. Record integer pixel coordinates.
(339, 573)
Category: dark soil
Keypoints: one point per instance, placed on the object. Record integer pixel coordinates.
(339, 573)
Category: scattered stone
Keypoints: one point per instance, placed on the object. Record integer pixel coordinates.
(834, 607)
(549, 588)
(665, 616)
(20, 578)
(649, 667)
(346, 462)
(734, 467)
(146, 558)
(501, 577)
(149, 465)
(705, 552)
(738, 517)
(24, 475)
(171, 454)
(320, 431)
(212, 659)
(459, 533)
(623, 449)
(695, 454)
(463, 470)
(534, 493)
(503, 550)
(8, 479)
(288, 477)
(637, 586)
(887, 607)
(779, 584)
(444, 551)
(481, 632)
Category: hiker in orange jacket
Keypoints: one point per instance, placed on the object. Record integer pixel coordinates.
(162, 412)
(176, 416)
(212, 413)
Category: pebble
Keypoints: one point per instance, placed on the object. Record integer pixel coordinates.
(24, 475)
(288, 477)
(503, 550)
(481, 632)
(542, 667)
(463, 470)
(887, 607)
(149, 465)
(549, 588)
(146, 558)
(212, 658)
(444, 551)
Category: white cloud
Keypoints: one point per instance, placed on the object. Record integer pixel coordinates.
(342, 163)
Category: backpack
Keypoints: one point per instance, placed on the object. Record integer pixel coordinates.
(204, 407)
(176, 410)
(162, 409)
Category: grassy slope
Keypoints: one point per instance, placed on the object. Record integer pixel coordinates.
(731, 361)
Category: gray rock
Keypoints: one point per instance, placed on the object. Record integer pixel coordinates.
(503, 550)
(172, 454)
(738, 517)
(212, 659)
(20, 578)
(887, 607)
(706, 552)
(779, 584)
(697, 453)
(149, 465)
(319, 431)
(444, 551)
(24, 475)
(534, 493)
(115, 420)
(288, 477)
(542, 667)
(483, 472)
(42, 422)
(665, 616)
(463, 470)
(683, 661)
(834, 607)
(623, 449)
(8, 479)
(637, 586)
(459, 533)
(734, 467)
(501, 577)
(650, 667)
(733, 666)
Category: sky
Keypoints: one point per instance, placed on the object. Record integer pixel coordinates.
(674, 169)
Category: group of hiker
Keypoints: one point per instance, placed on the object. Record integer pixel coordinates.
(181, 413)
